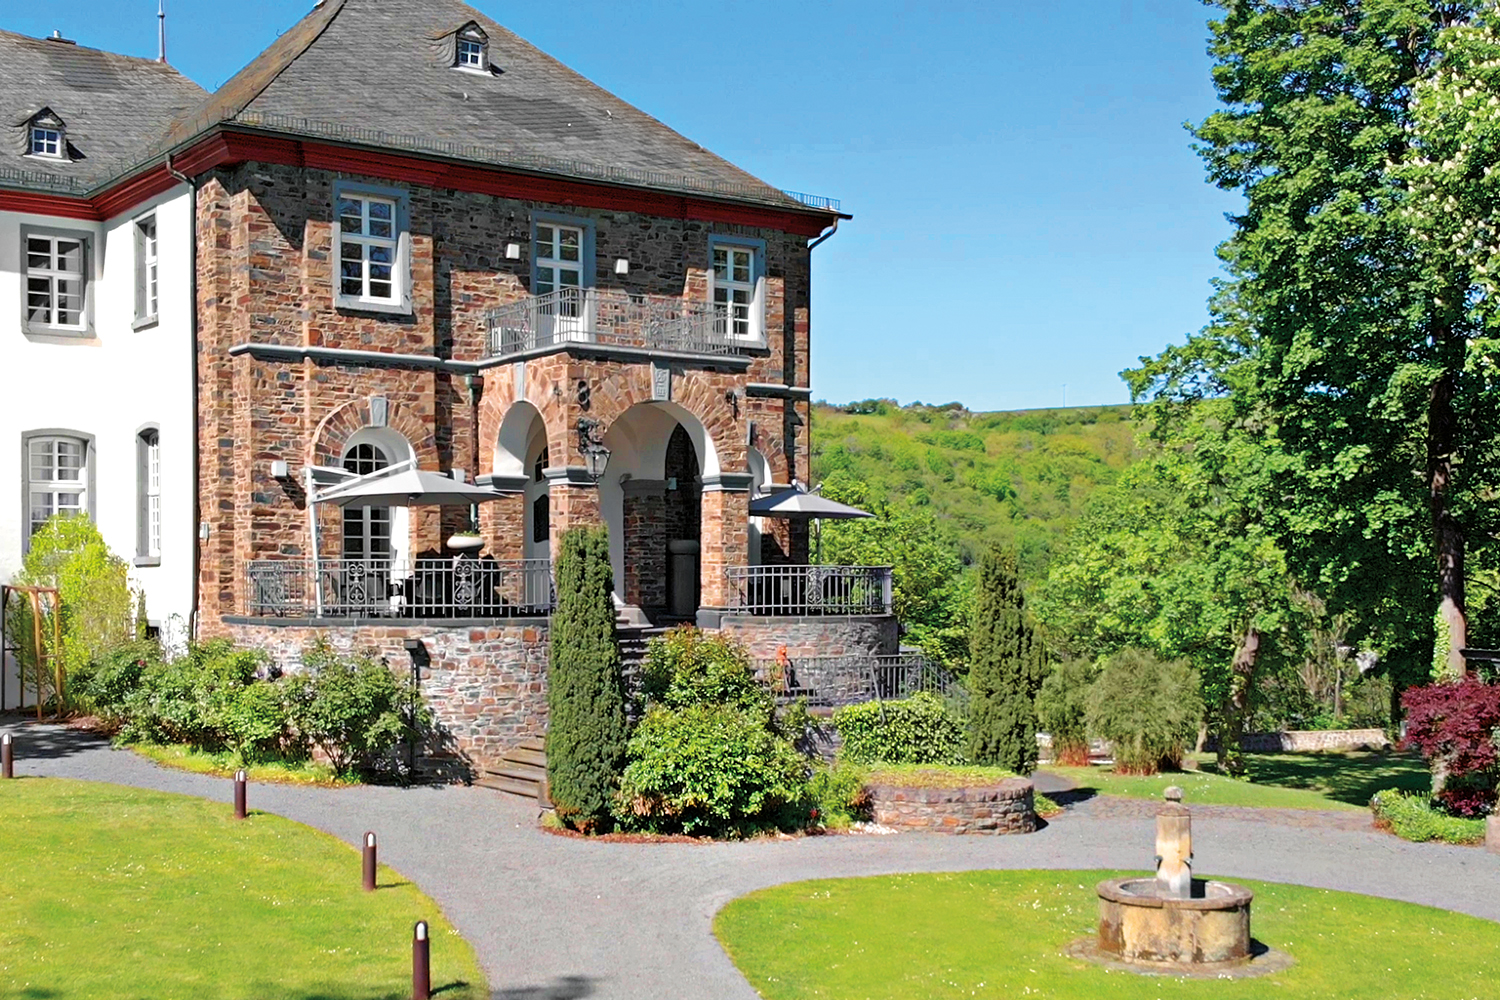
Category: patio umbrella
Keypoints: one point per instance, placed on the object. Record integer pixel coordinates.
(797, 503)
(407, 488)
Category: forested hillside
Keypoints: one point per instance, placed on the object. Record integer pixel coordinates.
(1021, 477)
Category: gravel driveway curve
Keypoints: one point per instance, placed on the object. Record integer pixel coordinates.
(556, 918)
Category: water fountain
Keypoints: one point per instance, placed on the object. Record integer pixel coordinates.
(1174, 923)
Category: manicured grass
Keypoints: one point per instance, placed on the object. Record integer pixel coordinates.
(123, 894)
(1002, 935)
(223, 765)
(1277, 781)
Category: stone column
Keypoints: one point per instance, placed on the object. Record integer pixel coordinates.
(645, 543)
(574, 501)
(724, 535)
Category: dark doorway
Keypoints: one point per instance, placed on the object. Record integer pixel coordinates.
(684, 516)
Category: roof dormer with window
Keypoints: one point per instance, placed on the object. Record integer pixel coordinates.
(471, 49)
(47, 136)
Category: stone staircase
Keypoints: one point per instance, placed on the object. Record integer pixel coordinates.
(521, 771)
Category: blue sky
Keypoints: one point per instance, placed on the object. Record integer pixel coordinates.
(1027, 210)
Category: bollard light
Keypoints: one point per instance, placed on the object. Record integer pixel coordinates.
(7, 759)
(239, 795)
(421, 963)
(369, 862)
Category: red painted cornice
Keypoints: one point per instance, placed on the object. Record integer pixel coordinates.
(226, 148)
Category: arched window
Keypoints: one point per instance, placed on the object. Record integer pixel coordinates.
(148, 494)
(367, 530)
(539, 471)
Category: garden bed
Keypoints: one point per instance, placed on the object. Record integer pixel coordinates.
(998, 806)
(1411, 816)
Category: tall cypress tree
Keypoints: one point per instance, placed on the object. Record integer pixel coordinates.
(585, 693)
(1004, 668)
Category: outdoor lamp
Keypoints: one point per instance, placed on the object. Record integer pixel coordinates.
(595, 455)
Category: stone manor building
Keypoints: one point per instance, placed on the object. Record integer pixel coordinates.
(486, 268)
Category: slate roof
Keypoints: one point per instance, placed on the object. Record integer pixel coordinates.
(112, 106)
(380, 73)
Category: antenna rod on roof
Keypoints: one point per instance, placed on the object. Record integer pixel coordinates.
(161, 31)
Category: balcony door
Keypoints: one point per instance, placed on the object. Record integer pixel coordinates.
(362, 582)
(562, 300)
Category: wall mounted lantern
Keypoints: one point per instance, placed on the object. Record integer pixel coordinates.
(591, 444)
(622, 266)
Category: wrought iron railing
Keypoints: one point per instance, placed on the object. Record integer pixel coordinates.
(461, 587)
(836, 681)
(809, 590)
(611, 318)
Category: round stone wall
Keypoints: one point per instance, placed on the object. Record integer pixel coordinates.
(1005, 807)
(814, 635)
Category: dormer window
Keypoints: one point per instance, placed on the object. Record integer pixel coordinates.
(471, 49)
(47, 137)
(46, 142)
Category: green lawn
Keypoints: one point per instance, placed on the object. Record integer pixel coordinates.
(223, 765)
(117, 893)
(1277, 781)
(1002, 935)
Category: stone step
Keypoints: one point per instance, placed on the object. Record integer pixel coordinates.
(525, 755)
(512, 786)
(518, 772)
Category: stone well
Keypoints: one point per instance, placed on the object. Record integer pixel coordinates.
(1005, 806)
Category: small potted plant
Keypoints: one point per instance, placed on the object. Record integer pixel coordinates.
(466, 539)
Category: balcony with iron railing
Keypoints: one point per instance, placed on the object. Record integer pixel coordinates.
(809, 590)
(613, 318)
(443, 588)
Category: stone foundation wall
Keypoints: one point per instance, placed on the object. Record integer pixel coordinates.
(874, 635)
(1007, 807)
(485, 682)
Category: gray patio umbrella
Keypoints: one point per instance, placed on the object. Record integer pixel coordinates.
(797, 503)
(408, 488)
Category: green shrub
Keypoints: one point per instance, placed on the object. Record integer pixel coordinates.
(1005, 667)
(917, 730)
(186, 700)
(117, 674)
(839, 795)
(353, 708)
(586, 730)
(257, 725)
(69, 554)
(686, 667)
(1062, 710)
(1147, 707)
(711, 769)
(1412, 816)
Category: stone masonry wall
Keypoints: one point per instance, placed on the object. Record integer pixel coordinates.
(486, 684)
(814, 636)
(1006, 807)
(266, 277)
(1310, 741)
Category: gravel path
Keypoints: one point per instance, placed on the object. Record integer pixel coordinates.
(557, 918)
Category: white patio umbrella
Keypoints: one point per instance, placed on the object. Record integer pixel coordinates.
(797, 504)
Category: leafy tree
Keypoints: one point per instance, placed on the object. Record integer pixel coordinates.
(1062, 709)
(1147, 708)
(1349, 349)
(586, 732)
(1453, 724)
(1005, 667)
(69, 554)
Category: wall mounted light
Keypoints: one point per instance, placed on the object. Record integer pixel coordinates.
(280, 469)
(622, 266)
(512, 251)
(591, 444)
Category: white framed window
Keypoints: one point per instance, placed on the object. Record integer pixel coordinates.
(148, 494)
(470, 53)
(147, 271)
(368, 245)
(558, 257)
(56, 282)
(736, 289)
(367, 530)
(47, 141)
(57, 477)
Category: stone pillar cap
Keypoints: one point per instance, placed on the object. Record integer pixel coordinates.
(1172, 794)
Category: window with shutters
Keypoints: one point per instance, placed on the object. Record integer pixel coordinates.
(148, 497)
(58, 476)
(147, 272)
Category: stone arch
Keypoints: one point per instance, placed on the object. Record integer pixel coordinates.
(330, 439)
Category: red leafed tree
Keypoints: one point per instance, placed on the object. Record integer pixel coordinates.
(1454, 726)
